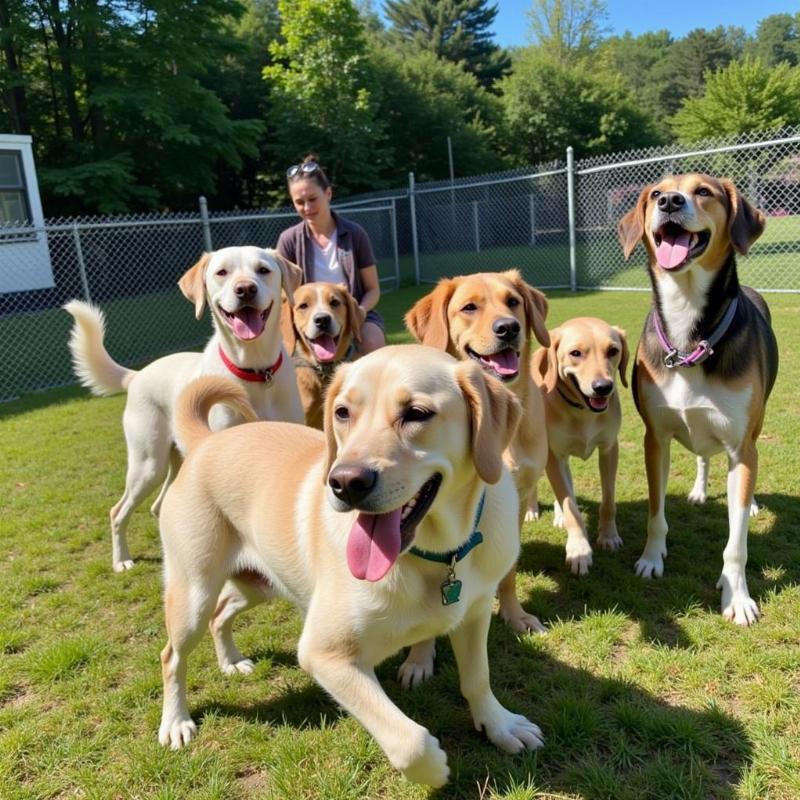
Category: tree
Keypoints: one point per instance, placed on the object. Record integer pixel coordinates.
(320, 88)
(744, 96)
(777, 39)
(549, 105)
(454, 30)
(567, 30)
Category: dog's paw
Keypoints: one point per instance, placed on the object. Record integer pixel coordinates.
(558, 518)
(523, 622)
(244, 666)
(754, 508)
(123, 566)
(579, 556)
(609, 539)
(176, 733)
(426, 763)
(511, 732)
(737, 605)
(418, 666)
(532, 514)
(697, 496)
(649, 567)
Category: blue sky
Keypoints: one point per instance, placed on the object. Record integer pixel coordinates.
(638, 16)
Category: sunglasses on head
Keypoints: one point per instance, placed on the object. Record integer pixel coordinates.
(306, 168)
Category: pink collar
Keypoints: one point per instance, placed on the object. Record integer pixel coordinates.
(253, 375)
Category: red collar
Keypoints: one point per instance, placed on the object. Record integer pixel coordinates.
(254, 375)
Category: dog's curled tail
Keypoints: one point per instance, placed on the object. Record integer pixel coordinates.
(92, 364)
(194, 404)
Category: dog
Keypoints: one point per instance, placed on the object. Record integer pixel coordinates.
(373, 530)
(577, 374)
(321, 328)
(707, 359)
(242, 286)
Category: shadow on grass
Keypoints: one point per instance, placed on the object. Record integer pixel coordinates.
(696, 540)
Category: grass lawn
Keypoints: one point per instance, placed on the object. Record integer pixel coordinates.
(641, 689)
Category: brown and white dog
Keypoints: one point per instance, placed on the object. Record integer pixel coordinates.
(242, 286)
(405, 488)
(707, 359)
(577, 372)
(320, 329)
(488, 318)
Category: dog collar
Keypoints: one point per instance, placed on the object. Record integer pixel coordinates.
(568, 401)
(451, 587)
(253, 375)
(677, 358)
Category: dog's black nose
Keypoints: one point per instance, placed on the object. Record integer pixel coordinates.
(506, 328)
(602, 387)
(351, 483)
(322, 321)
(671, 201)
(245, 290)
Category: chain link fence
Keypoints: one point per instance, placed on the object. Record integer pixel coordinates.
(556, 224)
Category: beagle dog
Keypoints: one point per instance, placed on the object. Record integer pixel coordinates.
(487, 318)
(577, 373)
(394, 524)
(321, 328)
(707, 359)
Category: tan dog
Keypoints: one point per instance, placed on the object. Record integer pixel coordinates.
(362, 524)
(320, 330)
(242, 286)
(707, 359)
(577, 373)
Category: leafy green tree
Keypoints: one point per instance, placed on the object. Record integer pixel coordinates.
(453, 30)
(549, 105)
(777, 39)
(744, 96)
(322, 96)
(567, 30)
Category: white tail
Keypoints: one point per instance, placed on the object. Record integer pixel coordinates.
(92, 364)
(194, 404)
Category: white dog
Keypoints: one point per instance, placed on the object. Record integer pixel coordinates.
(418, 527)
(242, 286)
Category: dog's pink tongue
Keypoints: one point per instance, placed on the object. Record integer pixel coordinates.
(248, 323)
(373, 545)
(324, 348)
(598, 403)
(505, 362)
(673, 250)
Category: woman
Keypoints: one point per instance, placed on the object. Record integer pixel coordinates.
(330, 248)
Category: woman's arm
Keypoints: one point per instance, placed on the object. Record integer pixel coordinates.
(372, 288)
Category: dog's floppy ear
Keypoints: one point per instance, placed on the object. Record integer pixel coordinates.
(624, 358)
(494, 412)
(544, 364)
(353, 314)
(427, 319)
(745, 223)
(331, 448)
(288, 331)
(193, 284)
(291, 274)
(536, 306)
(631, 227)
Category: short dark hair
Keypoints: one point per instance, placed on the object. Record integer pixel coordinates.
(317, 174)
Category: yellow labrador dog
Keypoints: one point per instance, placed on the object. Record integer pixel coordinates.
(242, 286)
(392, 526)
(577, 374)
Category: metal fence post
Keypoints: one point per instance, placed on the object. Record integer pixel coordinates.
(573, 268)
(413, 208)
(206, 224)
(76, 235)
(395, 245)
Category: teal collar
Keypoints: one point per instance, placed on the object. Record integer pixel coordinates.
(454, 556)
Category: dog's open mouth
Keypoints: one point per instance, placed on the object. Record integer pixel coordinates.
(246, 323)
(596, 403)
(503, 364)
(324, 347)
(675, 246)
(376, 540)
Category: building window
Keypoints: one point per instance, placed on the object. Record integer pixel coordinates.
(14, 207)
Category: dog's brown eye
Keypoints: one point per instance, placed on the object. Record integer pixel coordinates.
(512, 302)
(654, 194)
(335, 303)
(469, 308)
(416, 414)
(342, 414)
(221, 273)
(575, 353)
(303, 306)
(613, 351)
(703, 192)
(263, 270)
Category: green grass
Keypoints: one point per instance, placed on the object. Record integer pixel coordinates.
(641, 689)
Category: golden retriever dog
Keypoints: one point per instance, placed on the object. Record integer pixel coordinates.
(242, 286)
(321, 328)
(394, 524)
(707, 359)
(577, 372)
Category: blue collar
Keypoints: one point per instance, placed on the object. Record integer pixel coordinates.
(454, 556)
